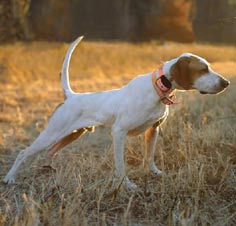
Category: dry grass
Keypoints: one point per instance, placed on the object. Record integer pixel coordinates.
(197, 148)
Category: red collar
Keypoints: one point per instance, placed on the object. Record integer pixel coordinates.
(166, 94)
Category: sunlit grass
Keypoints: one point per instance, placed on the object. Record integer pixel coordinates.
(196, 149)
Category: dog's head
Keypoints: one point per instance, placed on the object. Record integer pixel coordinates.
(193, 72)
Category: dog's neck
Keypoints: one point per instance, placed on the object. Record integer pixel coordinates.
(163, 83)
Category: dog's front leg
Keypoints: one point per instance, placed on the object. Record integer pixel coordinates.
(151, 135)
(119, 137)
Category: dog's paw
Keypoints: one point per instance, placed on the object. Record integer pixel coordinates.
(155, 170)
(9, 179)
(130, 185)
(125, 183)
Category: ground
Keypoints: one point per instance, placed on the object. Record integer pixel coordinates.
(196, 150)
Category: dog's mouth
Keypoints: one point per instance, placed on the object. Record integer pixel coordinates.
(214, 92)
(203, 92)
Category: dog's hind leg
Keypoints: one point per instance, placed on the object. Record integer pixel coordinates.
(65, 141)
(52, 134)
(58, 127)
(43, 141)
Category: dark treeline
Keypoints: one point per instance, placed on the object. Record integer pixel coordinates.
(130, 20)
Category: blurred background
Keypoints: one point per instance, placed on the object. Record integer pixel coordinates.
(128, 20)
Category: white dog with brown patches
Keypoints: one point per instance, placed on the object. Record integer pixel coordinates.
(140, 106)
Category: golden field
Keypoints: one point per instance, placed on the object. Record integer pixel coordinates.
(196, 150)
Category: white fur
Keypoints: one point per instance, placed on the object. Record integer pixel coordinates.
(209, 82)
(130, 110)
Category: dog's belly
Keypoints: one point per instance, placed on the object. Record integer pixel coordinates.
(152, 122)
(140, 129)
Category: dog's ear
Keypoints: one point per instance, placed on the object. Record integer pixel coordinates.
(180, 72)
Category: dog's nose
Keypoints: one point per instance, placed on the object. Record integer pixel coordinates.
(224, 83)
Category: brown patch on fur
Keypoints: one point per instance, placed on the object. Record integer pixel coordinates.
(65, 141)
(90, 129)
(186, 70)
(159, 121)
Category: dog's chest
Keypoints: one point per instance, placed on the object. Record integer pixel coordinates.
(153, 119)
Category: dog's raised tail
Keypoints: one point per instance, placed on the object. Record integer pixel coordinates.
(65, 68)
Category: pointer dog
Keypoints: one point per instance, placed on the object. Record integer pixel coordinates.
(140, 106)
